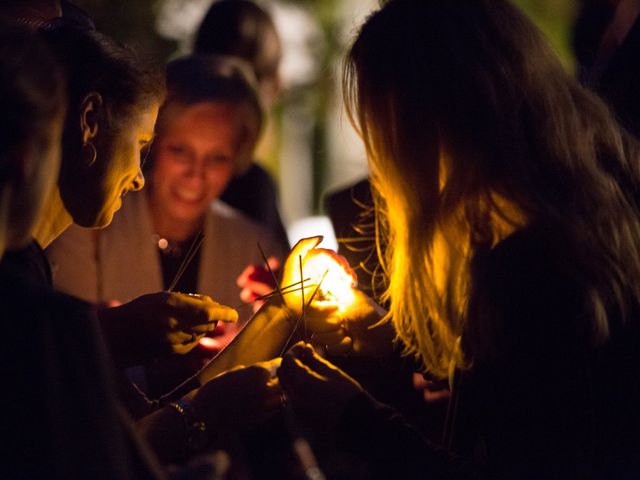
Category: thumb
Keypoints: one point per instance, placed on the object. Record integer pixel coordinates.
(307, 355)
(303, 247)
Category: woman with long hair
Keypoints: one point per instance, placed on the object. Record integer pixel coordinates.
(506, 196)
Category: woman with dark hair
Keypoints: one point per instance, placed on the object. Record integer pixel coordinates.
(66, 421)
(58, 412)
(210, 122)
(113, 104)
(506, 196)
(115, 101)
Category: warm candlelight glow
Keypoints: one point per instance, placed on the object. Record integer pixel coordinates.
(338, 283)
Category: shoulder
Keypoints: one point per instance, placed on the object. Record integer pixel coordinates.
(528, 258)
(256, 181)
(22, 298)
(30, 263)
(527, 293)
(359, 192)
(234, 224)
(228, 215)
(257, 175)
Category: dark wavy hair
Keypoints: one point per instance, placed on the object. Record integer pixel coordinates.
(94, 62)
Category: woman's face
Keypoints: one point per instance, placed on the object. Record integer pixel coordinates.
(99, 189)
(193, 159)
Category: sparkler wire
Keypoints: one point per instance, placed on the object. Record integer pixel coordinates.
(273, 275)
(304, 311)
(191, 253)
(284, 290)
(304, 320)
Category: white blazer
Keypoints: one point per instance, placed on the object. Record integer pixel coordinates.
(121, 262)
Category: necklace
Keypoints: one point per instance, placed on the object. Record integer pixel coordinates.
(170, 247)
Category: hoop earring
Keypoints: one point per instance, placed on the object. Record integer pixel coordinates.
(89, 154)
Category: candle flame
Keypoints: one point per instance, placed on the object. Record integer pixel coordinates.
(339, 280)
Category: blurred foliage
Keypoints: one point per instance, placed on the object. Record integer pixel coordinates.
(321, 92)
(555, 18)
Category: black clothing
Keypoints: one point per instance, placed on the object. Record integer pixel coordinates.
(546, 400)
(61, 416)
(165, 373)
(254, 193)
(30, 263)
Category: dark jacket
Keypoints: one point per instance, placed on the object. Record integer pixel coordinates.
(549, 402)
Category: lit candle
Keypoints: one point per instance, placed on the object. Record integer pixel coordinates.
(335, 278)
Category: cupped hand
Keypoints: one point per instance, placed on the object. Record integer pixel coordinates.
(327, 277)
(356, 330)
(239, 398)
(364, 331)
(160, 323)
(315, 387)
(291, 273)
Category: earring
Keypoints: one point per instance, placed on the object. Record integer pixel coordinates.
(89, 154)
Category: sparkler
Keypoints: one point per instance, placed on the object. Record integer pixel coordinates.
(191, 253)
(288, 289)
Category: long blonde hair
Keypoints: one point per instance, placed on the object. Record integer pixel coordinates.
(474, 130)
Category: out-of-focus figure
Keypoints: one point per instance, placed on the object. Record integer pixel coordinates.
(242, 29)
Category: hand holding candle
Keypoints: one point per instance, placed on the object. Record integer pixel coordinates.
(359, 330)
(327, 278)
(339, 317)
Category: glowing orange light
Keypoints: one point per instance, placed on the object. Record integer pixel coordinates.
(210, 343)
(336, 288)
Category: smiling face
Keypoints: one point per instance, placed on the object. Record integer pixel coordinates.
(95, 191)
(193, 157)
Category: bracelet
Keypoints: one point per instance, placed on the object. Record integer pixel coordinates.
(196, 429)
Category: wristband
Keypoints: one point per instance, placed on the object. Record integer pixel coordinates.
(196, 429)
